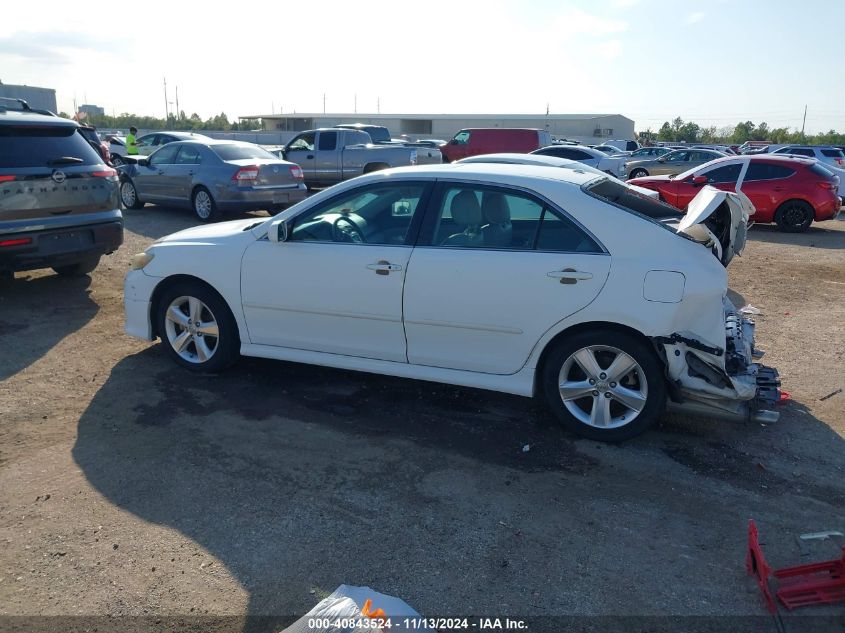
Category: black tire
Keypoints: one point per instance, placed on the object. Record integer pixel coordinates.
(654, 386)
(638, 173)
(207, 211)
(794, 216)
(77, 270)
(117, 161)
(227, 345)
(129, 197)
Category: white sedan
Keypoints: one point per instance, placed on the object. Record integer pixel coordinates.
(516, 278)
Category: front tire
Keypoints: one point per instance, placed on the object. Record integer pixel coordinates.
(129, 195)
(197, 327)
(604, 385)
(204, 205)
(117, 161)
(794, 216)
(77, 270)
(638, 173)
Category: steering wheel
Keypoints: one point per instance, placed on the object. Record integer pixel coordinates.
(349, 233)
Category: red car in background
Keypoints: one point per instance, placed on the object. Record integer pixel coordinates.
(792, 192)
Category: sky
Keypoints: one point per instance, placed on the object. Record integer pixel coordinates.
(715, 62)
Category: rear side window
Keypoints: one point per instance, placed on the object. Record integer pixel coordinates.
(328, 141)
(833, 153)
(188, 155)
(239, 152)
(820, 170)
(617, 193)
(34, 146)
(801, 151)
(766, 171)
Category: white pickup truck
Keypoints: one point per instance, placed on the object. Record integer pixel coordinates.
(330, 155)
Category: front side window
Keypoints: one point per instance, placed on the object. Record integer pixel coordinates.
(303, 142)
(472, 216)
(165, 156)
(147, 141)
(462, 138)
(677, 157)
(368, 215)
(725, 174)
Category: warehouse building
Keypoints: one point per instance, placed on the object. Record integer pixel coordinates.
(38, 98)
(586, 128)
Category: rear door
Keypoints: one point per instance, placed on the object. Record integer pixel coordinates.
(479, 299)
(327, 168)
(187, 163)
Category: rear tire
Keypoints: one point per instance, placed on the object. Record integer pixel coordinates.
(77, 270)
(604, 385)
(794, 216)
(117, 161)
(638, 173)
(210, 347)
(204, 205)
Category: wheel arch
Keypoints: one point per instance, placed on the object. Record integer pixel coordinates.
(169, 282)
(577, 329)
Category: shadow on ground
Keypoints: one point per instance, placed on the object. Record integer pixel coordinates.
(296, 476)
(820, 235)
(36, 313)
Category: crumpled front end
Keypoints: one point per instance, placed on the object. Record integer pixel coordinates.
(724, 382)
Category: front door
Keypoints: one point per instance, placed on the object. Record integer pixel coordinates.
(494, 270)
(186, 166)
(336, 285)
(327, 168)
(301, 150)
(152, 180)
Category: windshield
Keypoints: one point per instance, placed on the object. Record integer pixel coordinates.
(238, 152)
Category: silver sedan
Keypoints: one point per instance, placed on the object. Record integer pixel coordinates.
(212, 177)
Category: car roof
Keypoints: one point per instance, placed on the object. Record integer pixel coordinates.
(496, 172)
(17, 117)
(763, 158)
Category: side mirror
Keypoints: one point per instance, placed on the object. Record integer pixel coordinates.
(279, 231)
(697, 181)
(453, 142)
(144, 162)
(661, 159)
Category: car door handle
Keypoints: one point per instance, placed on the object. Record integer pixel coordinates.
(160, 172)
(191, 173)
(383, 267)
(569, 275)
(310, 156)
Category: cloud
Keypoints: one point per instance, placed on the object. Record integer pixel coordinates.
(694, 18)
(582, 23)
(53, 47)
(610, 50)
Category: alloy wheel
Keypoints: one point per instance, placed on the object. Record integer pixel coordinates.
(603, 387)
(202, 204)
(128, 194)
(192, 330)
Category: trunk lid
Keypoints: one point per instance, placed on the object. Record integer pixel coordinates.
(719, 220)
(271, 173)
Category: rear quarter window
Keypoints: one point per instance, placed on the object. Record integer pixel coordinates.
(819, 170)
(36, 146)
(833, 153)
(618, 194)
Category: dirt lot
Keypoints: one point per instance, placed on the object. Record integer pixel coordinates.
(129, 487)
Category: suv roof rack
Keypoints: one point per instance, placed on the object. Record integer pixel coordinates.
(24, 107)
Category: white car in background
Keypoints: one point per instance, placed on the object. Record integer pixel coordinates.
(516, 278)
(613, 165)
(551, 161)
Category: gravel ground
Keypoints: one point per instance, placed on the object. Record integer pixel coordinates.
(129, 487)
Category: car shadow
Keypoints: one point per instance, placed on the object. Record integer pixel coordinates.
(820, 235)
(44, 309)
(298, 476)
(155, 221)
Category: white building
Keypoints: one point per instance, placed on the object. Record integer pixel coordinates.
(586, 128)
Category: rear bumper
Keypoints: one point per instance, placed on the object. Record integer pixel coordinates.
(829, 209)
(254, 198)
(60, 246)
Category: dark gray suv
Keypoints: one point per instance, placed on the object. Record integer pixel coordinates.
(59, 205)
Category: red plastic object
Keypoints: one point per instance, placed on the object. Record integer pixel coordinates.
(799, 586)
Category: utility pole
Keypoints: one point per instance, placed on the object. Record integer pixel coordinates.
(177, 102)
(166, 111)
(804, 122)
(324, 103)
(356, 103)
(378, 105)
(272, 107)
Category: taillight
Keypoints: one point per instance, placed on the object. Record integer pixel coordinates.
(828, 184)
(108, 173)
(7, 178)
(296, 172)
(246, 174)
(17, 242)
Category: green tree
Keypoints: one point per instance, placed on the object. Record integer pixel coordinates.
(665, 133)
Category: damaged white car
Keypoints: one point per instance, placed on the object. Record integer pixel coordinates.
(523, 279)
